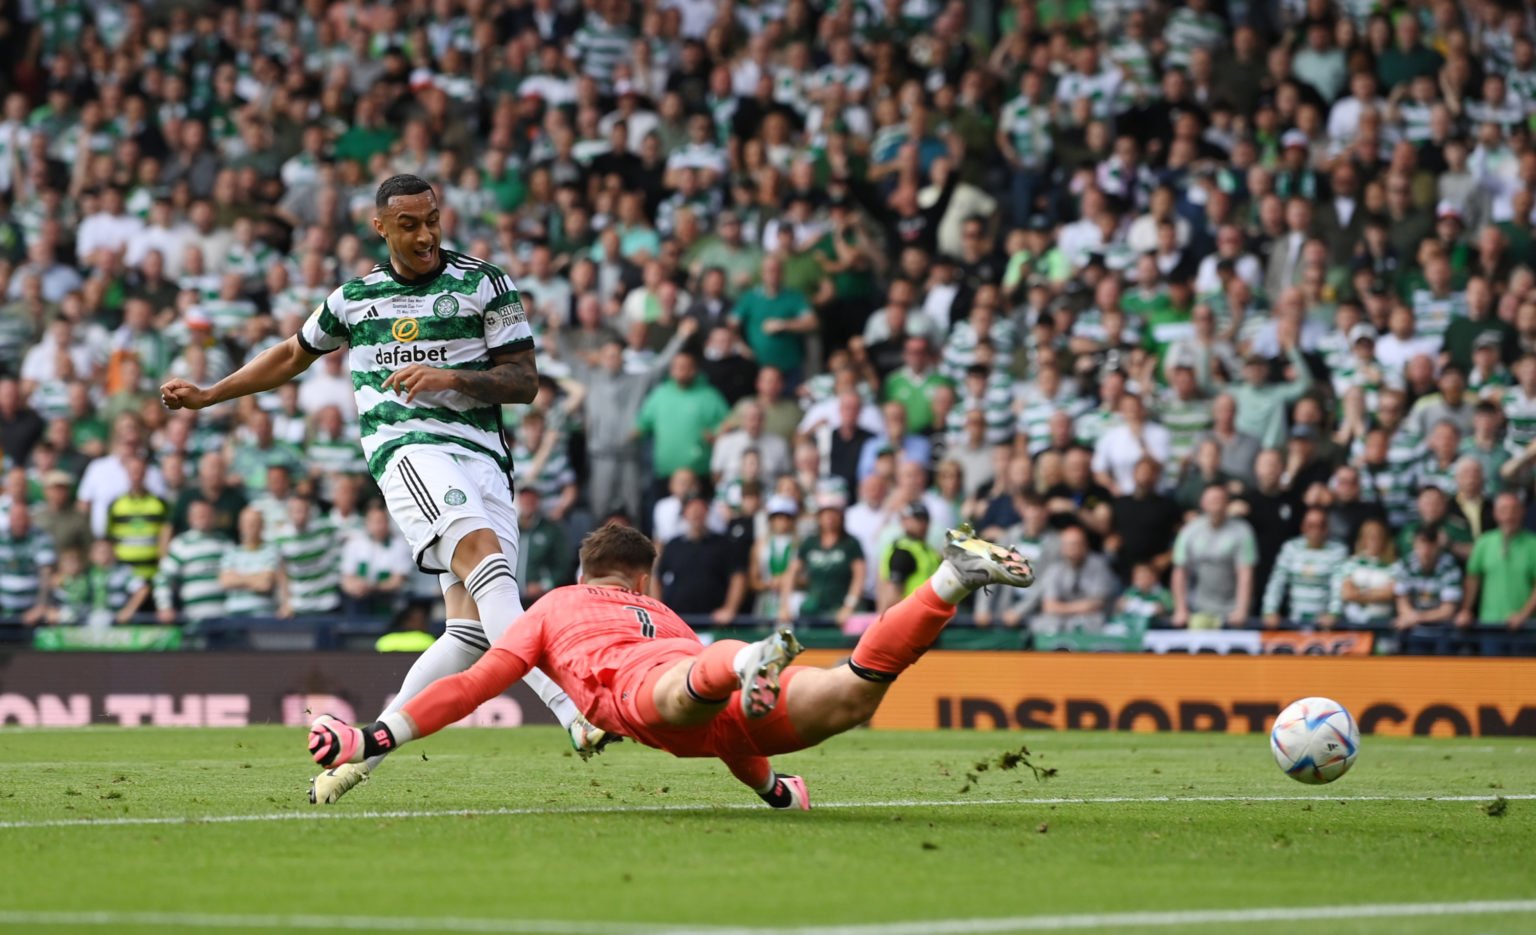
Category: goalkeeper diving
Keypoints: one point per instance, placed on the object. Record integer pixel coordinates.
(634, 668)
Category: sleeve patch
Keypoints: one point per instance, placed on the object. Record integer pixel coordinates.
(505, 312)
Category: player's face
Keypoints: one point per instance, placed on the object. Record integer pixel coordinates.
(412, 227)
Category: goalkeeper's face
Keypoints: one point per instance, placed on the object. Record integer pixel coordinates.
(412, 227)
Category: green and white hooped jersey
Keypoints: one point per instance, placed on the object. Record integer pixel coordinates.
(240, 602)
(454, 320)
(1522, 87)
(1432, 315)
(190, 570)
(1304, 575)
(1520, 410)
(21, 563)
(312, 560)
(1028, 126)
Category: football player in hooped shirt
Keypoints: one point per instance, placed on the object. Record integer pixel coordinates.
(635, 668)
(437, 341)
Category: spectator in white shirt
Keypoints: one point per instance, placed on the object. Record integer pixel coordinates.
(330, 384)
(844, 69)
(106, 478)
(213, 239)
(111, 228)
(1496, 166)
(551, 294)
(1141, 236)
(1229, 246)
(667, 515)
(15, 137)
(375, 565)
(1344, 118)
(826, 416)
(1400, 345)
(943, 290)
(772, 450)
(1085, 235)
(867, 520)
(700, 152)
(160, 234)
(1122, 446)
(45, 361)
(898, 317)
(58, 279)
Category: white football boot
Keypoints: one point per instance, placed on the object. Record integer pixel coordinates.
(328, 787)
(759, 669)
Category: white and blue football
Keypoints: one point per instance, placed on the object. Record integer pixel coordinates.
(1315, 740)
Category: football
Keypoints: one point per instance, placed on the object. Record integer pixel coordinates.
(1315, 740)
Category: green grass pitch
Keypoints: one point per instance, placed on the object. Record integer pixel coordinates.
(637, 843)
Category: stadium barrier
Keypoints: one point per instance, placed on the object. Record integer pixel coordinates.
(334, 631)
(949, 689)
(1418, 696)
(218, 689)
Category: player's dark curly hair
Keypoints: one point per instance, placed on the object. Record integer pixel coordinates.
(616, 549)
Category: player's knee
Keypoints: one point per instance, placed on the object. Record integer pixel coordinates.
(472, 548)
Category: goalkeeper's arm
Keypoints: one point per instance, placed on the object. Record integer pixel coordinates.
(446, 701)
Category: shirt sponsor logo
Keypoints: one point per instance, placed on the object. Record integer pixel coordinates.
(405, 329)
(396, 355)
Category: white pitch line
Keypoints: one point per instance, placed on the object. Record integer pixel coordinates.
(340, 815)
(208, 920)
(983, 926)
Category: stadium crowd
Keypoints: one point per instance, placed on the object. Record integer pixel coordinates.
(1224, 312)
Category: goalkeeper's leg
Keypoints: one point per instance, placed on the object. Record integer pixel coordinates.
(696, 690)
(821, 703)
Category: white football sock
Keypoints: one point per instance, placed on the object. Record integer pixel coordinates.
(553, 696)
(947, 584)
(494, 589)
(400, 727)
(462, 643)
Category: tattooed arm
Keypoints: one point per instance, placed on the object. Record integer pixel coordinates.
(512, 378)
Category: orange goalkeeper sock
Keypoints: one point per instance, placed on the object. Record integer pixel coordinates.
(901, 635)
(754, 771)
(712, 677)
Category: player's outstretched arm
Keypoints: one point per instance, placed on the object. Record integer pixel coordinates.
(445, 701)
(266, 371)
